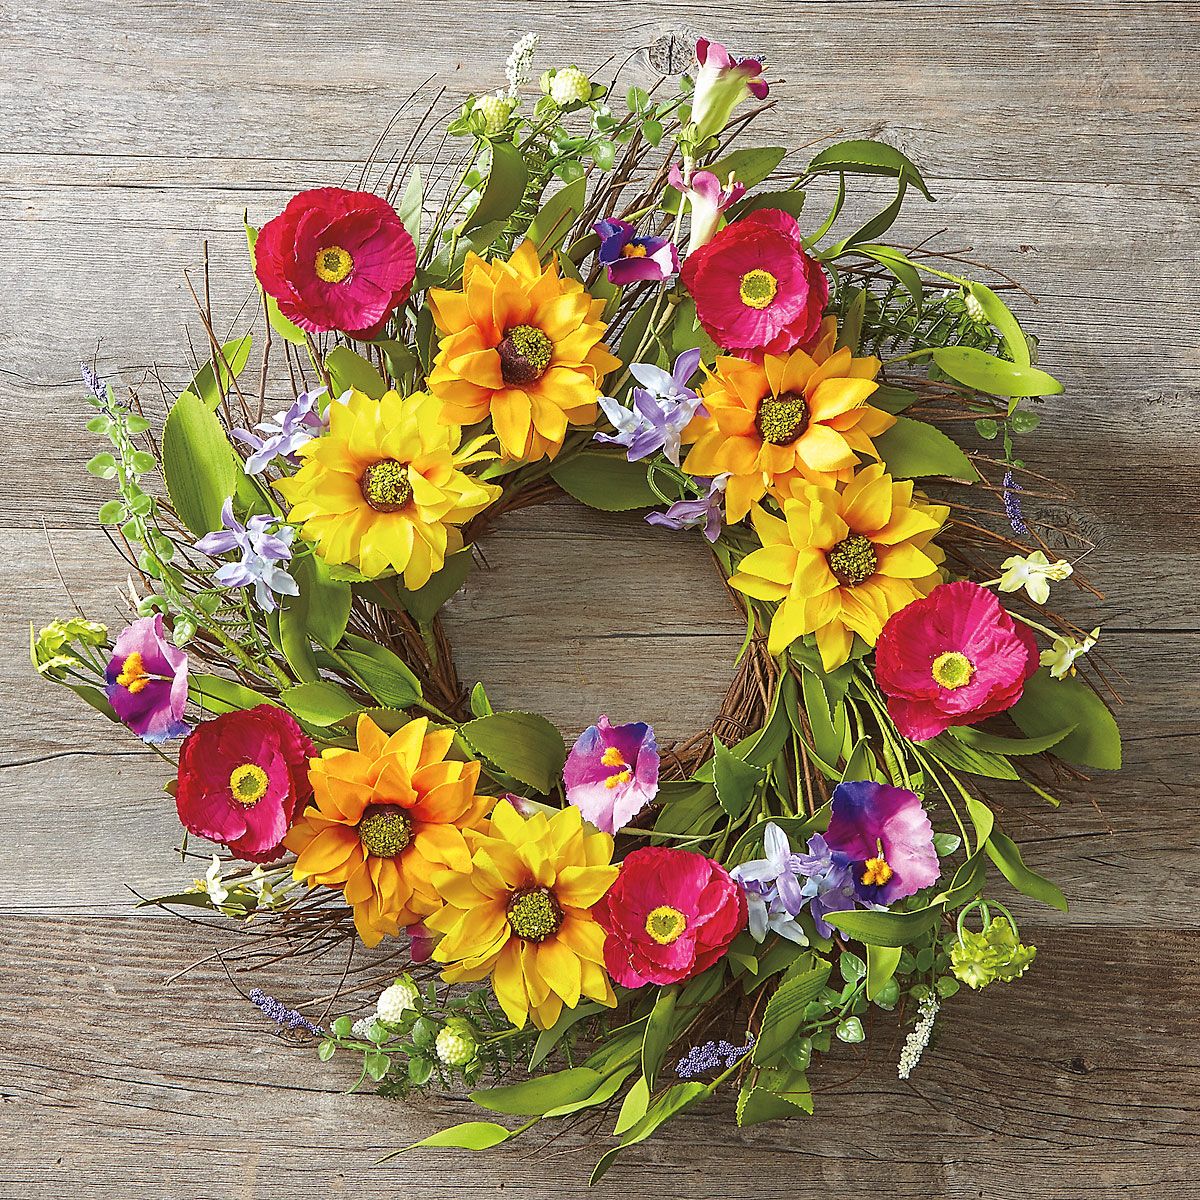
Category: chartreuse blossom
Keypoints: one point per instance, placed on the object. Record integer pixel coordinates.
(384, 490)
(841, 563)
(520, 912)
(52, 649)
(996, 952)
(1033, 572)
(1061, 656)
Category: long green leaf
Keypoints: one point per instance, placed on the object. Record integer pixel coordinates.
(557, 217)
(865, 156)
(533, 1097)
(198, 464)
(605, 480)
(997, 376)
(1003, 851)
(503, 189)
(1095, 740)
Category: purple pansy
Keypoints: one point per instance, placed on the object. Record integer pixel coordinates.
(261, 553)
(611, 773)
(885, 834)
(662, 408)
(707, 199)
(774, 894)
(283, 434)
(632, 259)
(147, 681)
(703, 513)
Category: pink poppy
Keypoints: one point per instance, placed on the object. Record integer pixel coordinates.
(756, 291)
(670, 915)
(243, 777)
(336, 259)
(952, 658)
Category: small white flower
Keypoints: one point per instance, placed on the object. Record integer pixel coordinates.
(516, 70)
(918, 1039)
(213, 884)
(455, 1044)
(363, 1028)
(974, 308)
(496, 109)
(398, 999)
(1060, 658)
(1033, 573)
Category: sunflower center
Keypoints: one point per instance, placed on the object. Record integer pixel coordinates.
(876, 872)
(248, 783)
(134, 676)
(952, 670)
(633, 250)
(385, 486)
(525, 353)
(853, 560)
(385, 830)
(333, 264)
(665, 924)
(534, 914)
(782, 420)
(758, 288)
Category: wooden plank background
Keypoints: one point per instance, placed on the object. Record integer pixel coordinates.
(1062, 140)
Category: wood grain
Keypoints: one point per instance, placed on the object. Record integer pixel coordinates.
(1060, 139)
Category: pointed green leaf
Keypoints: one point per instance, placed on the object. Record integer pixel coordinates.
(1003, 851)
(1095, 740)
(997, 376)
(350, 370)
(912, 449)
(605, 480)
(198, 464)
(524, 745)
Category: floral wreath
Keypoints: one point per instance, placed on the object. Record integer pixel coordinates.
(616, 303)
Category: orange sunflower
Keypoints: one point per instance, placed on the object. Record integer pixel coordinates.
(800, 415)
(384, 819)
(522, 344)
(841, 562)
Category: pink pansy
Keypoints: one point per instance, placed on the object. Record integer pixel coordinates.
(952, 658)
(707, 199)
(147, 681)
(670, 915)
(611, 773)
(722, 83)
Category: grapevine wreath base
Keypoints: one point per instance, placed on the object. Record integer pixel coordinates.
(620, 301)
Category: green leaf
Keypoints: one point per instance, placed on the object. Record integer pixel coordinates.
(672, 1102)
(876, 227)
(606, 481)
(102, 465)
(868, 157)
(223, 695)
(790, 201)
(602, 1095)
(236, 354)
(996, 376)
(294, 639)
(774, 1096)
(893, 399)
(912, 449)
(633, 1107)
(882, 962)
(1095, 740)
(503, 190)
(409, 209)
(533, 1097)
(900, 266)
(886, 928)
(350, 370)
(850, 332)
(470, 1135)
(961, 757)
(112, 513)
(198, 464)
(660, 1033)
(749, 166)
(523, 745)
(827, 741)
(992, 744)
(556, 217)
(326, 601)
(784, 1015)
(1003, 321)
(382, 672)
(425, 603)
(321, 703)
(549, 1038)
(1003, 851)
(736, 780)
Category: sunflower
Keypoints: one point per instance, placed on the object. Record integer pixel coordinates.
(521, 914)
(842, 562)
(522, 344)
(383, 490)
(799, 415)
(386, 818)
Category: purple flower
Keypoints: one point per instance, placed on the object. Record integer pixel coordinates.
(707, 199)
(278, 1012)
(712, 1056)
(147, 681)
(662, 408)
(630, 258)
(829, 882)
(885, 834)
(704, 513)
(774, 895)
(1012, 505)
(285, 433)
(262, 552)
(611, 773)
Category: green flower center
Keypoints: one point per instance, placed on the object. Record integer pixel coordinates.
(248, 783)
(952, 670)
(525, 353)
(758, 288)
(333, 264)
(385, 830)
(665, 924)
(385, 486)
(853, 560)
(534, 914)
(782, 420)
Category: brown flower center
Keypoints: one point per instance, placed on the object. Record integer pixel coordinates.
(385, 830)
(385, 486)
(534, 914)
(853, 560)
(525, 353)
(782, 420)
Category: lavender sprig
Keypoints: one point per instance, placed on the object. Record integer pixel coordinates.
(712, 1056)
(1012, 504)
(288, 1018)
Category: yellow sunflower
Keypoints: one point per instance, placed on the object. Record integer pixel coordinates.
(794, 416)
(523, 344)
(386, 818)
(521, 914)
(842, 562)
(384, 488)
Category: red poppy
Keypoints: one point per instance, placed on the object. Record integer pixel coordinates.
(336, 259)
(243, 777)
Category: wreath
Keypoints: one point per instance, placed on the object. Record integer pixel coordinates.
(622, 302)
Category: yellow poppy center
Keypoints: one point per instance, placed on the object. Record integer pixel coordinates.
(633, 250)
(665, 924)
(385, 830)
(525, 353)
(534, 914)
(782, 420)
(248, 783)
(952, 670)
(333, 264)
(758, 288)
(385, 485)
(876, 871)
(853, 560)
(134, 676)
(612, 757)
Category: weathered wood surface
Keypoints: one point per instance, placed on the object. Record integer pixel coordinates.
(1061, 141)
